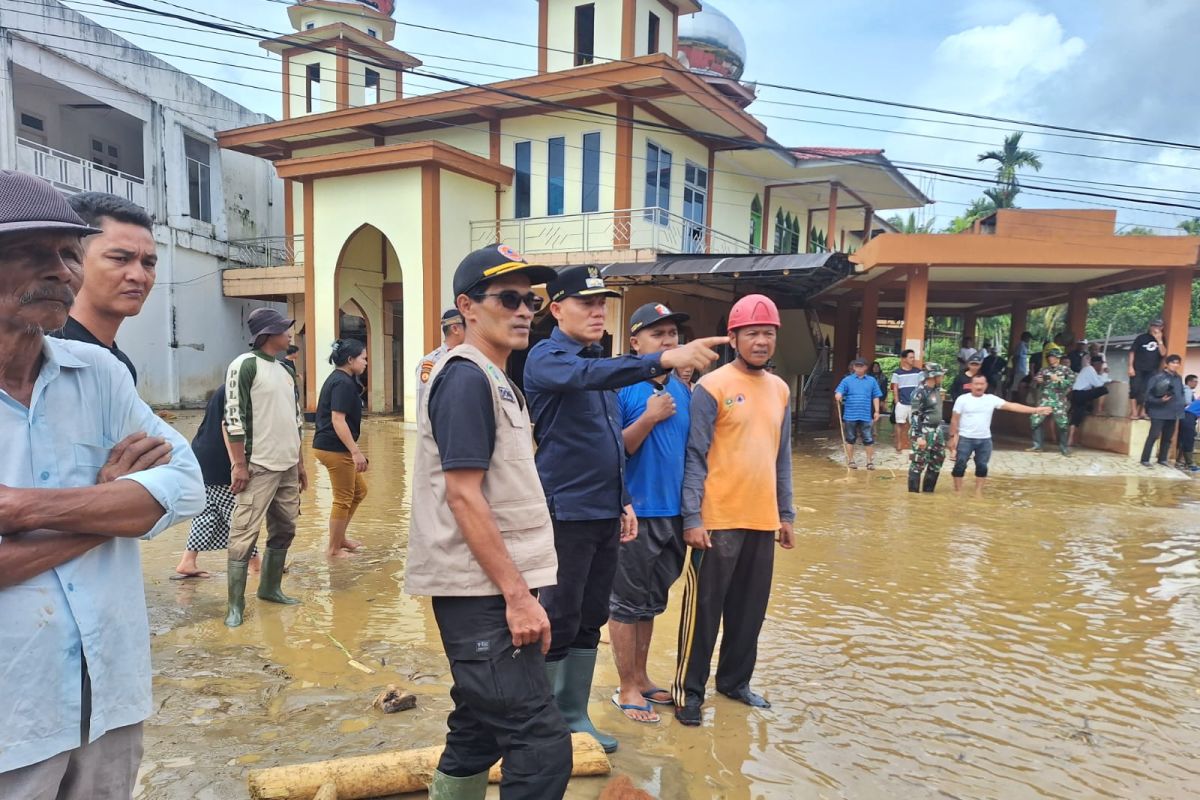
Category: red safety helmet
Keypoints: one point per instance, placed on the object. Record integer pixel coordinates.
(753, 309)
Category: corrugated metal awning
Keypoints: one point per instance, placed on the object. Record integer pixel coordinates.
(790, 278)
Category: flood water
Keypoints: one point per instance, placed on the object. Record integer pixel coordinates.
(1040, 642)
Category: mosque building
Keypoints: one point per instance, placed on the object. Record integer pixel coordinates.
(631, 148)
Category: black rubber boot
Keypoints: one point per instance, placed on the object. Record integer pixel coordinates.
(931, 479)
(272, 575)
(914, 481)
(236, 571)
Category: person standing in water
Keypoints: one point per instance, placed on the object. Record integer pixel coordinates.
(335, 443)
(737, 499)
(1055, 381)
(971, 430)
(927, 430)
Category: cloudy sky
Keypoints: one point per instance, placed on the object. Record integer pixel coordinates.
(1118, 66)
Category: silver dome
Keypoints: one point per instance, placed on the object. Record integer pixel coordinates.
(709, 43)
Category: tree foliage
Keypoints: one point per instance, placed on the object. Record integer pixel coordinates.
(1190, 226)
(910, 224)
(1009, 158)
(980, 208)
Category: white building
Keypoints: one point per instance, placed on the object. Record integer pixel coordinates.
(88, 111)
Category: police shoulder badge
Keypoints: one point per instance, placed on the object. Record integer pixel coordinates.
(426, 369)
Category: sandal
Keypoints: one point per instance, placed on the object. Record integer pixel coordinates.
(649, 695)
(853, 465)
(871, 465)
(626, 708)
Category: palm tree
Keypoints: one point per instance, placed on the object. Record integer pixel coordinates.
(910, 225)
(981, 207)
(1009, 159)
(1191, 226)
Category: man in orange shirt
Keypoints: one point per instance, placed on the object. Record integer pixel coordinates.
(737, 495)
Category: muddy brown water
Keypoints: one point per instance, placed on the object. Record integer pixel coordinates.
(1041, 642)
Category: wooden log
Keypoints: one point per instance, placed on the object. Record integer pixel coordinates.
(393, 772)
(328, 791)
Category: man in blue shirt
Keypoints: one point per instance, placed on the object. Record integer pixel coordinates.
(655, 418)
(75, 685)
(581, 462)
(859, 396)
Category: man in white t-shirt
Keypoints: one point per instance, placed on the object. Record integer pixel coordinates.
(905, 380)
(971, 430)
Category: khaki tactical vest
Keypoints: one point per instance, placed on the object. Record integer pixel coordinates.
(439, 562)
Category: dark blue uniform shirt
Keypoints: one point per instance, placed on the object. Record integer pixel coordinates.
(577, 424)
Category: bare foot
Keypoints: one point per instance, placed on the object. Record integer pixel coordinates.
(351, 545)
(337, 553)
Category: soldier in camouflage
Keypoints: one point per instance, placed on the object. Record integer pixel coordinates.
(1055, 382)
(927, 430)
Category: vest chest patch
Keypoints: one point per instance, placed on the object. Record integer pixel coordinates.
(506, 394)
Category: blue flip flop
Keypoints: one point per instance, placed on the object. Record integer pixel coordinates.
(616, 701)
(646, 694)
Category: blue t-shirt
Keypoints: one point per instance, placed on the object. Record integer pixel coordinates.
(1194, 407)
(857, 394)
(654, 474)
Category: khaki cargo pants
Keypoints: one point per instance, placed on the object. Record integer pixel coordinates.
(270, 494)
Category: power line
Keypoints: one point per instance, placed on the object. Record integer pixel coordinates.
(964, 179)
(804, 90)
(694, 95)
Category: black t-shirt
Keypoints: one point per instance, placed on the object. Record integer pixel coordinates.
(75, 331)
(1147, 356)
(1076, 359)
(961, 384)
(462, 416)
(340, 393)
(209, 443)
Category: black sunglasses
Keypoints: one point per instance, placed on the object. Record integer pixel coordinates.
(512, 299)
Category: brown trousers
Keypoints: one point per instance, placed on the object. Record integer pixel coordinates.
(272, 495)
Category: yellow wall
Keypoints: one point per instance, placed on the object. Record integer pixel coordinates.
(296, 88)
(359, 282)
(464, 200)
(358, 80)
(537, 130)
(472, 138)
(391, 201)
(561, 39)
(731, 198)
(682, 149)
(642, 30)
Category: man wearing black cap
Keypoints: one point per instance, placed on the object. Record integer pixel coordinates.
(119, 266)
(453, 334)
(581, 461)
(655, 418)
(481, 544)
(263, 420)
(75, 681)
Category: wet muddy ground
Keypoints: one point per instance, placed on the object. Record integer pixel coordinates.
(1040, 642)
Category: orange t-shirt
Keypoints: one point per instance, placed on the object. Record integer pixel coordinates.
(741, 489)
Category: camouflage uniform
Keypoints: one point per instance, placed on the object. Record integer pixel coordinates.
(925, 422)
(1056, 392)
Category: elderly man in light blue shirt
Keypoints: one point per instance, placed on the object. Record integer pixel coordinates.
(86, 469)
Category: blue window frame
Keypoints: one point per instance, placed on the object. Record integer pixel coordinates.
(658, 182)
(590, 201)
(555, 175)
(521, 181)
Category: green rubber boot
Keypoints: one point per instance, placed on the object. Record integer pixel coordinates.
(237, 592)
(445, 787)
(1038, 439)
(272, 575)
(553, 676)
(573, 692)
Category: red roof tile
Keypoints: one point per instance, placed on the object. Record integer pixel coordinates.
(820, 153)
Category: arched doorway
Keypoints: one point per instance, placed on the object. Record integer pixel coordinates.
(368, 282)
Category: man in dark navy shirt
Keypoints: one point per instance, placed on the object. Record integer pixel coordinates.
(581, 461)
(118, 271)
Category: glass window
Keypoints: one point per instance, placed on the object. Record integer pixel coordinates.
(521, 182)
(197, 154)
(372, 33)
(756, 220)
(780, 232)
(585, 34)
(371, 82)
(590, 201)
(555, 178)
(658, 182)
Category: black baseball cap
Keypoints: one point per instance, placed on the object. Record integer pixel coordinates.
(451, 317)
(584, 281)
(975, 358)
(652, 314)
(488, 263)
(858, 362)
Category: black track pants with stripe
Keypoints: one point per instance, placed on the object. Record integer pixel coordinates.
(730, 581)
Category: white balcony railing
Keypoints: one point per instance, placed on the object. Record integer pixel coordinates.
(73, 174)
(266, 251)
(635, 229)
